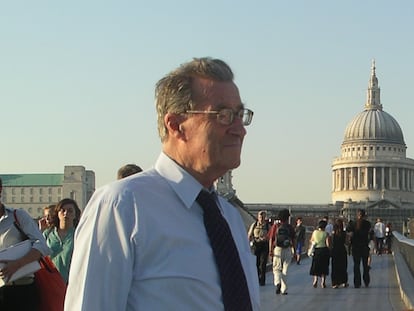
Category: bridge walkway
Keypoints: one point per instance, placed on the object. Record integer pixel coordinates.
(384, 292)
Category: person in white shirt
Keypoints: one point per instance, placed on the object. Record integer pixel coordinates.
(379, 230)
(141, 243)
(21, 293)
(329, 226)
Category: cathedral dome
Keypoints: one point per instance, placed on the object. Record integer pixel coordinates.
(374, 125)
(373, 165)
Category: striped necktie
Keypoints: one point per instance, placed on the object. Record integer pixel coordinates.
(233, 280)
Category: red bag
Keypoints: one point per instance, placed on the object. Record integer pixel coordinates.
(50, 286)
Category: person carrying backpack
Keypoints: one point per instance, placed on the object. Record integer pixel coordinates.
(258, 237)
(281, 245)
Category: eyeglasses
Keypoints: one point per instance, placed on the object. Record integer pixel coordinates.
(226, 116)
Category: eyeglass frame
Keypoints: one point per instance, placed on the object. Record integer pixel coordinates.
(241, 113)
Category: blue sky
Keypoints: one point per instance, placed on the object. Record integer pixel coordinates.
(77, 82)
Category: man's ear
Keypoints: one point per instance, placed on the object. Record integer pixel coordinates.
(173, 123)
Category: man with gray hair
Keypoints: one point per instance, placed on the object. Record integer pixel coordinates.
(163, 239)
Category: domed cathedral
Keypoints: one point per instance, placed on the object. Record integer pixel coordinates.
(373, 171)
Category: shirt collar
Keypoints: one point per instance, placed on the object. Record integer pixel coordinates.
(183, 184)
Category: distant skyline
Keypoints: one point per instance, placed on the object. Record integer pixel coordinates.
(77, 82)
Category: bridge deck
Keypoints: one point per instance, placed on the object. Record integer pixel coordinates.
(382, 294)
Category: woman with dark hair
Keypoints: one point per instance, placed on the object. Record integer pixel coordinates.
(320, 259)
(339, 275)
(60, 236)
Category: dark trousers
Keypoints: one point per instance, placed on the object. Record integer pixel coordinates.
(262, 255)
(360, 254)
(380, 245)
(18, 298)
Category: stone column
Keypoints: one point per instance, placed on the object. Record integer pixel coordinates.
(352, 186)
(343, 176)
(398, 178)
(366, 177)
(404, 186)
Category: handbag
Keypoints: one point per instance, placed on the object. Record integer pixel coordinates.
(311, 250)
(51, 288)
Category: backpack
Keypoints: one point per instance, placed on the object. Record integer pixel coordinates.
(255, 224)
(283, 236)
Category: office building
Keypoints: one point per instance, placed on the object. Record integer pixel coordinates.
(32, 192)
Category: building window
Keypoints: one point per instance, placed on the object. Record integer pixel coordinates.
(22, 190)
(13, 191)
(40, 190)
(22, 199)
(40, 199)
(31, 190)
(50, 199)
(31, 199)
(50, 190)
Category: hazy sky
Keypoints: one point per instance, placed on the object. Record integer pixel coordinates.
(77, 82)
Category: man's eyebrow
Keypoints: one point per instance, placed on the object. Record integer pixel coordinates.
(225, 106)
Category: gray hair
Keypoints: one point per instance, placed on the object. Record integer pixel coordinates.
(174, 92)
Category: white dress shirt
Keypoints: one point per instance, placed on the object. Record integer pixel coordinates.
(10, 235)
(141, 245)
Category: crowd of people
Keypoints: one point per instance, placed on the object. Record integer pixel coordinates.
(333, 241)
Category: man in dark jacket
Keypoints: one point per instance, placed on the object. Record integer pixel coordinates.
(359, 231)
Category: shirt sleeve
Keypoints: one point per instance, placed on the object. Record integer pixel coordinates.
(102, 262)
(31, 229)
(250, 232)
(272, 232)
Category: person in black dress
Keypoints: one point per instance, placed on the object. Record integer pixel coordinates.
(339, 264)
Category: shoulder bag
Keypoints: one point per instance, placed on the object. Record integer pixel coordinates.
(49, 283)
